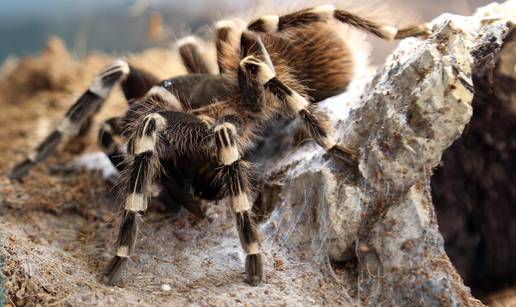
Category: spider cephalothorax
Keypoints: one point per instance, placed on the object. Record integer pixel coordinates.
(188, 137)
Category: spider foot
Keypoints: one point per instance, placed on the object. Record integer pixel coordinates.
(343, 154)
(211, 214)
(114, 270)
(20, 170)
(254, 269)
(422, 31)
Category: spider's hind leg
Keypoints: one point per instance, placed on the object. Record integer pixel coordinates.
(192, 56)
(226, 36)
(323, 13)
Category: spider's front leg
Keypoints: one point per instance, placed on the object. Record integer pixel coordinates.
(160, 137)
(78, 118)
(141, 97)
(137, 179)
(259, 83)
(317, 122)
(234, 179)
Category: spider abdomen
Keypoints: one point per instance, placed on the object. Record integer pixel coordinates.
(317, 57)
(313, 60)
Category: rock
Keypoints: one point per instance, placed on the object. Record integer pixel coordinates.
(165, 288)
(471, 190)
(414, 108)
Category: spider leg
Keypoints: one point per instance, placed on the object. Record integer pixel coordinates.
(158, 141)
(251, 44)
(179, 191)
(154, 99)
(234, 177)
(323, 13)
(108, 131)
(258, 82)
(174, 193)
(140, 175)
(192, 57)
(226, 33)
(138, 83)
(76, 117)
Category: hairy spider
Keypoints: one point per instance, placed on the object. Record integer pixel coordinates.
(190, 136)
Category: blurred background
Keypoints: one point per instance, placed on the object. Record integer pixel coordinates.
(123, 25)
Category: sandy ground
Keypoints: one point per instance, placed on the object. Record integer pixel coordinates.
(59, 229)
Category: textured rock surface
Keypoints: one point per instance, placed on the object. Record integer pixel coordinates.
(417, 105)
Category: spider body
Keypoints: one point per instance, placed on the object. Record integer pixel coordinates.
(191, 136)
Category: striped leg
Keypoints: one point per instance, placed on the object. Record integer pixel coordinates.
(138, 83)
(234, 176)
(156, 98)
(251, 44)
(76, 117)
(177, 190)
(107, 142)
(256, 77)
(226, 31)
(192, 56)
(137, 182)
(273, 23)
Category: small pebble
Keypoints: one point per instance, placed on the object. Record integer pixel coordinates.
(363, 248)
(166, 288)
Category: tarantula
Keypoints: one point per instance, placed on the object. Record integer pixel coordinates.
(190, 136)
